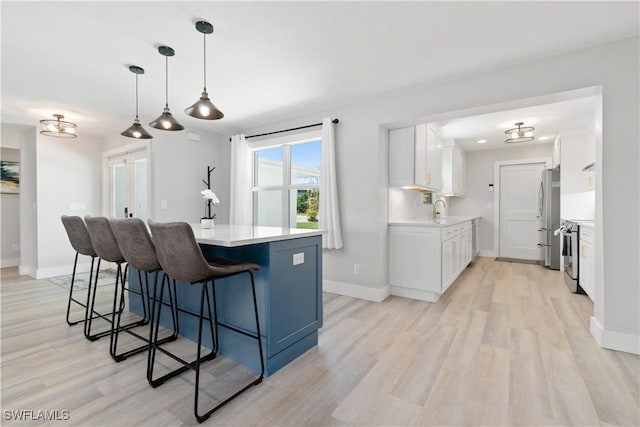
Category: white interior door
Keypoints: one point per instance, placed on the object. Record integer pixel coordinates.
(128, 189)
(519, 214)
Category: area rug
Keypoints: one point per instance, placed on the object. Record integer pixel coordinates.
(106, 278)
(519, 261)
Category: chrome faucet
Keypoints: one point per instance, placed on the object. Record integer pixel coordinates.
(436, 213)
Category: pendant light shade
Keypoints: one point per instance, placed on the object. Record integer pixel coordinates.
(204, 108)
(519, 134)
(166, 121)
(58, 128)
(136, 130)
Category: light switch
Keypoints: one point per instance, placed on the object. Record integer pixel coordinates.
(76, 206)
(298, 258)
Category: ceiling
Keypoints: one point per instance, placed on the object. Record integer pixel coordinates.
(547, 119)
(269, 61)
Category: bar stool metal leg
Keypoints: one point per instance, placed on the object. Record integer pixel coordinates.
(203, 417)
(155, 343)
(71, 298)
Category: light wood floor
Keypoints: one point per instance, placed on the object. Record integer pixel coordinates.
(506, 345)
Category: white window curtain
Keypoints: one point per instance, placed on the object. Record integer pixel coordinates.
(240, 211)
(328, 215)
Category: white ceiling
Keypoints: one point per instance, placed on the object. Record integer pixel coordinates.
(547, 119)
(269, 60)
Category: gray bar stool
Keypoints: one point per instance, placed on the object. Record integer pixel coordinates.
(181, 258)
(81, 243)
(137, 249)
(106, 247)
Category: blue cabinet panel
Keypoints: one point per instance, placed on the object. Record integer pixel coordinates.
(289, 301)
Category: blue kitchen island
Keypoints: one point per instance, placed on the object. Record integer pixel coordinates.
(288, 290)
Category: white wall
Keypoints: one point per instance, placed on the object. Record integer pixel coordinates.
(178, 167)
(10, 214)
(24, 138)
(577, 149)
(361, 161)
(69, 170)
(478, 199)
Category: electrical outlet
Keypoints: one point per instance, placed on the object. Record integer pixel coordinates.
(164, 204)
(16, 248)
(356, 269)
(298, 258)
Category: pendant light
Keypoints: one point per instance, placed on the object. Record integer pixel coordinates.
(136, 130)
(58, 128)
(204, 108)
(519, 134)
(166, 121)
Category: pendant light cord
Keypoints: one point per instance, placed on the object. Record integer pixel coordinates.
(205, 61)
(166, 81)
(136, 96)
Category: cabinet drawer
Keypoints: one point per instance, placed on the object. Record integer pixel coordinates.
(449, 232)
(586, 235)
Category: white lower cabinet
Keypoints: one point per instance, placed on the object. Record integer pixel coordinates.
(425, 260)
(586, 262)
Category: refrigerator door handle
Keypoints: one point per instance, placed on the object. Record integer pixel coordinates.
(541, 198)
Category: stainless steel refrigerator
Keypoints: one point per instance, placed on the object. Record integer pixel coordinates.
(549, 214)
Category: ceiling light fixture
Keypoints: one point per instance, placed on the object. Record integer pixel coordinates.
(58, 128)
(136, 130)
(519, 134)
(204, 108)
(482, 141)
(166, 121)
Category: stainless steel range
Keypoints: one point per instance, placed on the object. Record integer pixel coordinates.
(571, 254)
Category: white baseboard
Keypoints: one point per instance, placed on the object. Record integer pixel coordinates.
(490, 253)
(27, 270)
(613, 340)
(355, 291)
(9, 262)
(414, 294)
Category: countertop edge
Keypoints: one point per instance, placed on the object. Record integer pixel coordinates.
(426, 223)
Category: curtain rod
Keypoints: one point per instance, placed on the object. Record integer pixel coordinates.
(288, 130)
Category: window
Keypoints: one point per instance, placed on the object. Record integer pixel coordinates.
(286, 184)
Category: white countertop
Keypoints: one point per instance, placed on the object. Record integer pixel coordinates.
(242, 235)
(442, 222)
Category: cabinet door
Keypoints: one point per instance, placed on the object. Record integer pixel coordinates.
(434, 159)
(459, 166)
(586, 268)
(420, 167)
(447, 263)
(447, 170)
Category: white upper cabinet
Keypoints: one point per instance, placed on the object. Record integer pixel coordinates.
(415, 158)
(555, 157)
(433, 171)
(453, 171)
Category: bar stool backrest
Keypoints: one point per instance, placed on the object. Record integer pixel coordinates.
(179, 253)
(78, 235)
(103, 239)
(135, 243)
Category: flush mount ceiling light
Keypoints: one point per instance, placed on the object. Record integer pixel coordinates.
(166, 121)
(482, 141)
(204, 108)
(58, 128)
(519, 134)
(136, 130)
